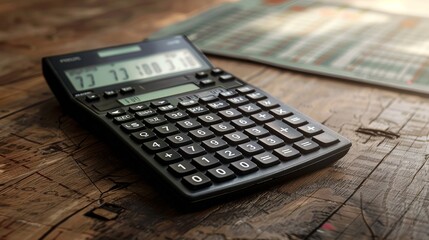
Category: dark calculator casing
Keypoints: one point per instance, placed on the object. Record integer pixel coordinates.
(261, 140)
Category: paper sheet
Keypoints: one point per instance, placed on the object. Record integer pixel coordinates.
(317, 37)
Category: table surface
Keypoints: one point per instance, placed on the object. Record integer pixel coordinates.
(60, 181)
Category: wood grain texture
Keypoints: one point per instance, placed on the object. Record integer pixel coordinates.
(60, 181)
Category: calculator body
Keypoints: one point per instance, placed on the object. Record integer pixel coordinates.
(201, 130)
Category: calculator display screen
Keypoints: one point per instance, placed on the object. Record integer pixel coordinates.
(147, 68)
(158, 94)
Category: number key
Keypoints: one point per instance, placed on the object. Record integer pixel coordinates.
(220, 174)
(243, 123)
(187, 125)
(201, 134)
(205, 161)
(250, 149)
(155, 146)
(229, 114)
(178, 140)
(222, 128)
(229, 155)
(192, 150)
(209, 119)
(236, 138)
(214, 144)
(256, 132)
(196, 181)
(271, 142)
(181, 168)
(166, 130)
(244, 167)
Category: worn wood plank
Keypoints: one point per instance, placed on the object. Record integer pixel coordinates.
(60, 181)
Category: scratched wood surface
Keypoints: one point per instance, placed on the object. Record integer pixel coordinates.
(60, 181)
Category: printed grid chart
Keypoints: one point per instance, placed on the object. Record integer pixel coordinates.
(323, 38)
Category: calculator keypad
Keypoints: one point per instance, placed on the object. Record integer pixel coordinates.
(221, 137)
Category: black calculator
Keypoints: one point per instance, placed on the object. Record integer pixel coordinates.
(204, 132)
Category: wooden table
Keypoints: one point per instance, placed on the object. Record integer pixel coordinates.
(60, 181)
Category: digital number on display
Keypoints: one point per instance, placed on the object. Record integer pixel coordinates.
(144, 68)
